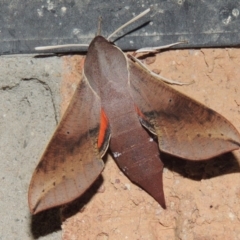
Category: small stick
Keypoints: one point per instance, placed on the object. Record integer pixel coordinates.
(60, 46)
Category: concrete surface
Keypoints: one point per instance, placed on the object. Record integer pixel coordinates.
(203, 199)
(29, 103)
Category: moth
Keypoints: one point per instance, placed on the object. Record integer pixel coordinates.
(116, 106)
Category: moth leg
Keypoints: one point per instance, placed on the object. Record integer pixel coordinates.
(159, 77)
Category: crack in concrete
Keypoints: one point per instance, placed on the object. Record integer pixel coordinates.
(8, 87)
(47, 87)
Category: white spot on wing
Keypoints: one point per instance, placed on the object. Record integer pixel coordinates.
(124, 169)
(116, 154)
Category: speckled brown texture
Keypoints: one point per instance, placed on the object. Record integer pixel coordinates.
(203, 199)
(72, 74)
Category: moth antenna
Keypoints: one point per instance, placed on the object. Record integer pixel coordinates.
(99, 29)
(154, 49)
(60, 46)
(129, 22)
(160, 77)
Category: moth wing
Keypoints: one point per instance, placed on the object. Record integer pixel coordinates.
(71, 161)
(185, 128)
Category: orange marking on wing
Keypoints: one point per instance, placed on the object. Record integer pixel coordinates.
(103, 128)
(140, 114)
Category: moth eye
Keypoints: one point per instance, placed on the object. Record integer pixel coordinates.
(68, 132)
(170, 100)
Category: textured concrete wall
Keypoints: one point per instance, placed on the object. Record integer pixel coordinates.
(29, 103)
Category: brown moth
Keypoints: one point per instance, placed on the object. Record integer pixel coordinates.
(115, 106)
